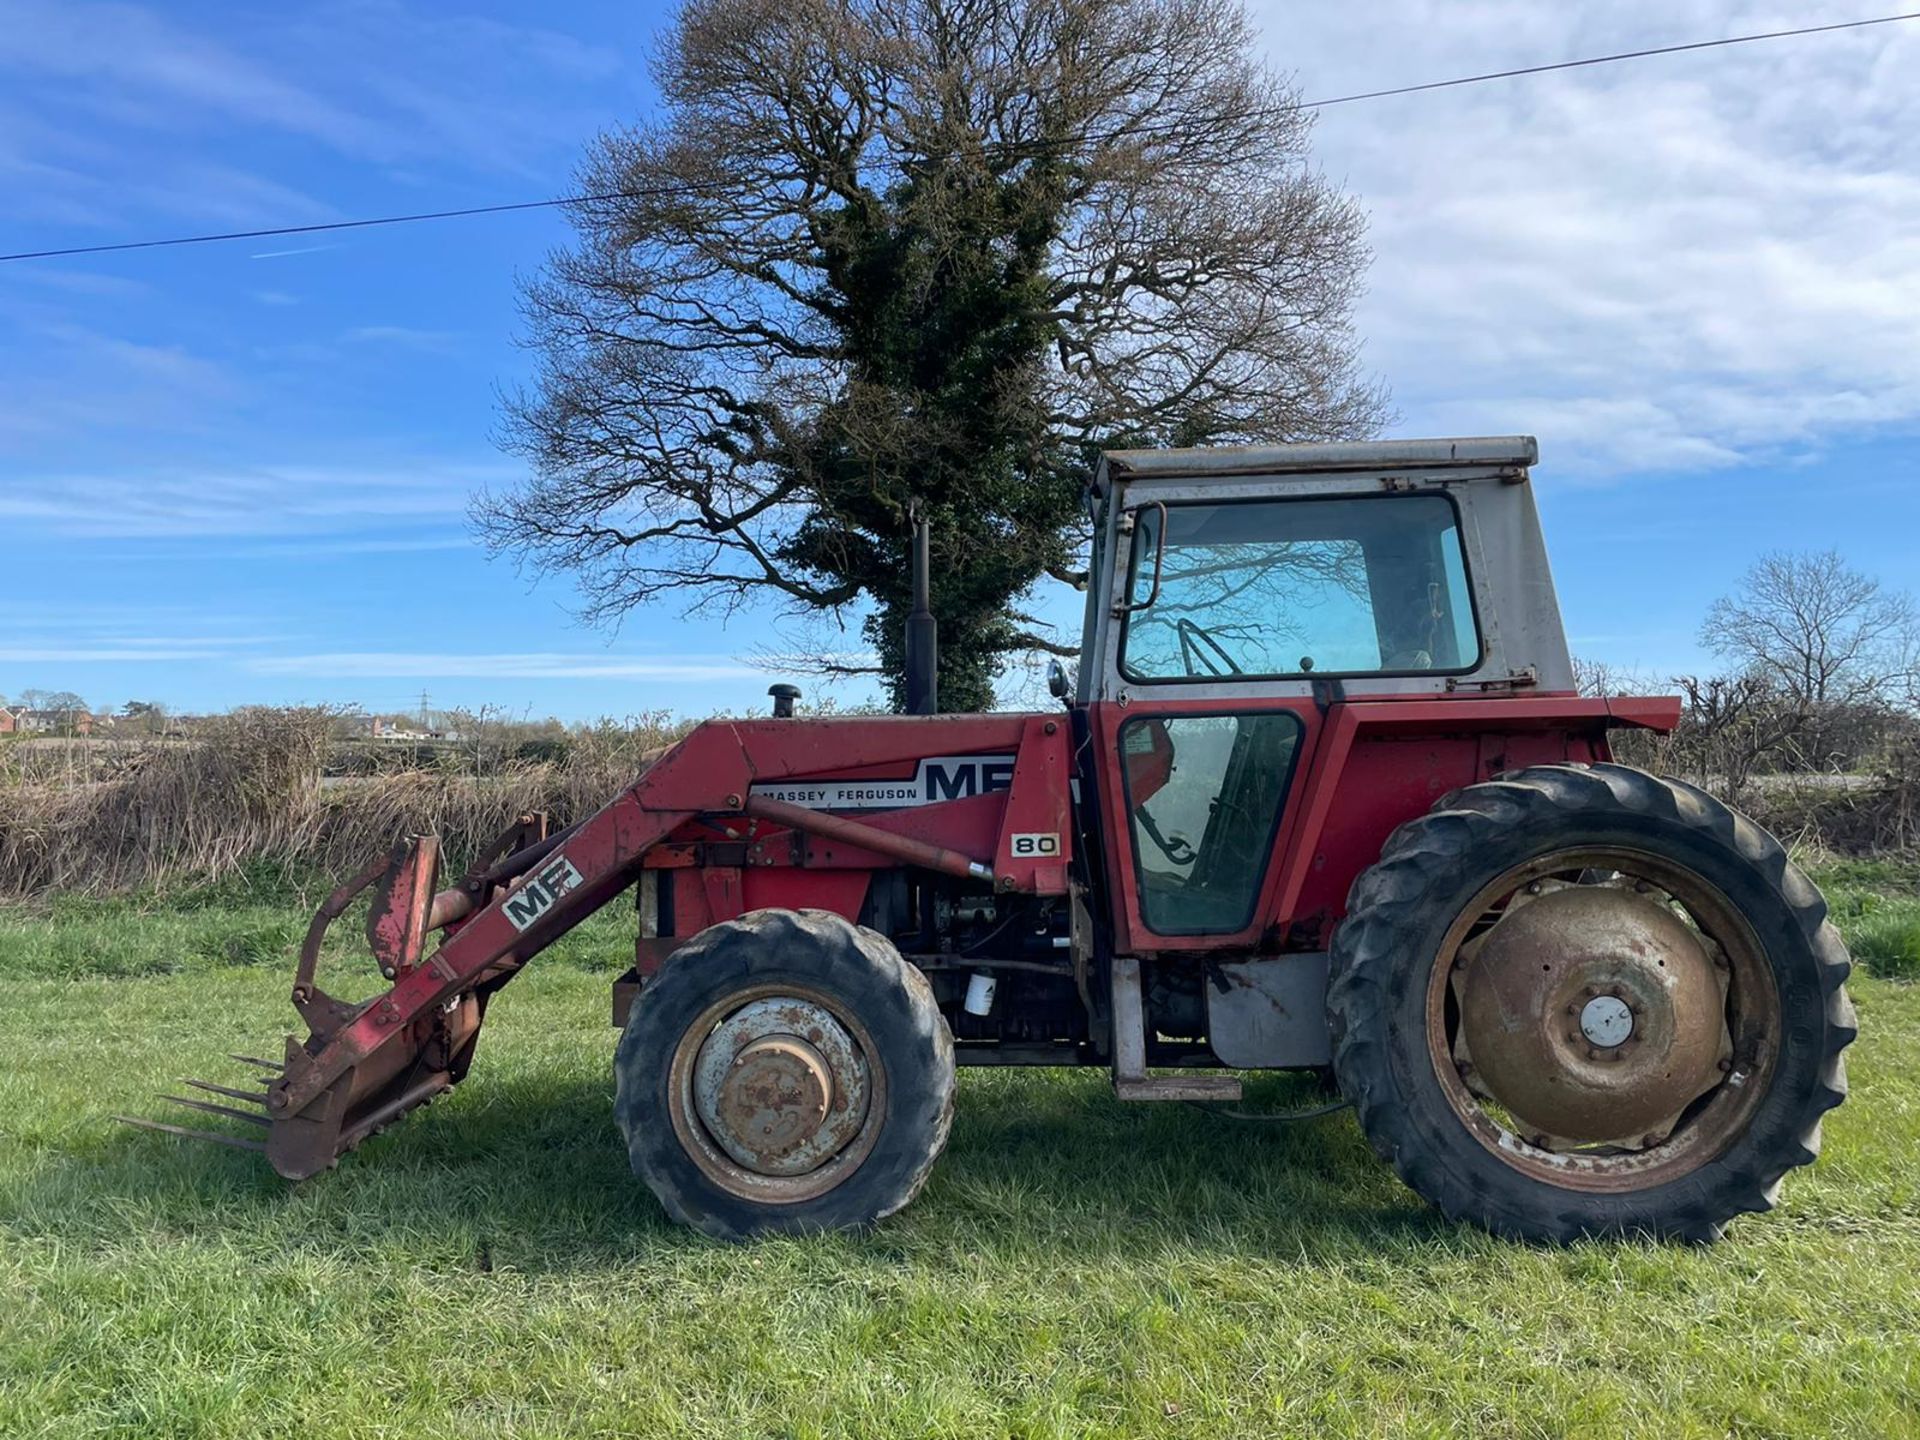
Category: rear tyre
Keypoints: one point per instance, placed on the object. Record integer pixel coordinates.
(786, 1072)
(1581, 1000)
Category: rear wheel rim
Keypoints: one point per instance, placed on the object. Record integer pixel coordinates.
(777, 1093)
(1600, 1011)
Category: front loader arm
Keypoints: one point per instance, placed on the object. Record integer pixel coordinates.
(366, 1063)
(383, 1057)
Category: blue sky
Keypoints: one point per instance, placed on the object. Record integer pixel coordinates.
(240, 472)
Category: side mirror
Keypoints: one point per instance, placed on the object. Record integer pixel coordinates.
(1058, 685)
(1156, 513)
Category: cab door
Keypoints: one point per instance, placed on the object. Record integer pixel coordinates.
(1236, 616)
(1196, 794)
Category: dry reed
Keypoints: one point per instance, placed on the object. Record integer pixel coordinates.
(248, 789)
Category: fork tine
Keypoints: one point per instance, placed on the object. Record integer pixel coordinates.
(233, 1140)
(228, 1110)
(252, 1097)
(256, 1060)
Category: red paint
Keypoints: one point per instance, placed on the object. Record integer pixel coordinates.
(841, 891)
(1364, 767)
(1107, 719)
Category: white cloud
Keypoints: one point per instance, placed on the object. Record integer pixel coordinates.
(84, 655)
(354, 545)
(72, 381)
(129, 622)
(80, 633)
(308, 502)
(142, 60)
(371, 80)
(1678, 262)
(405, 337)
(216, 194)
(80, 282)
(539, 665)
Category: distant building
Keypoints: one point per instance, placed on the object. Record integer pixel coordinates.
(389, 730)
(45, 722)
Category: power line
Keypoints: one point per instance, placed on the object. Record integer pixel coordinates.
(692, 186)
(1612, 59)
(282, 230)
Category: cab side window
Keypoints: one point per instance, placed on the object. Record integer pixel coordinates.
(1204, 793)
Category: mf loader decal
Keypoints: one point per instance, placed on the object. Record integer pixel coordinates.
(936, 778)
(537, 896)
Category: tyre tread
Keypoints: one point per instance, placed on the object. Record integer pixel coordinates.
(1386, 914)
(856, 960)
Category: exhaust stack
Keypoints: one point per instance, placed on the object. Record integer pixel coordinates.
(923, 634)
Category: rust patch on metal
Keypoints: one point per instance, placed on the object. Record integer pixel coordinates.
(1579, 1094)
(1592, 1013)
(777, 1093)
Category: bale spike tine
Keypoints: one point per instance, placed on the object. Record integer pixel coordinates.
(233, 1140)
(247, 1116)
(256, 1060)
(252, 1097)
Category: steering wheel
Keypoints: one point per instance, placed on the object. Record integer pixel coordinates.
(1195, 643)
(1176, 848)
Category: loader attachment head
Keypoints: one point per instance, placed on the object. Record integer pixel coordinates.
(335, 1088)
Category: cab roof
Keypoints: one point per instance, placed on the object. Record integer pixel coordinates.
(1512, 452)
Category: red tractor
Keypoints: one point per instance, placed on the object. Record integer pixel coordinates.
(1322, 797)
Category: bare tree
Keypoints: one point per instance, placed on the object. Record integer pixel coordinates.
(1733, 726)
(888, 255)
(1822, 631)
(1830, 642)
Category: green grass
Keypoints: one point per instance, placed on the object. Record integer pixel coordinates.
(1877, 904)
(1076, 1267)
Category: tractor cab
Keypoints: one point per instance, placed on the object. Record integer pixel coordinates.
(1240, 598)
(1378, 569)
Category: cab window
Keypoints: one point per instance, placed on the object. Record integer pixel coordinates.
(1362, 585)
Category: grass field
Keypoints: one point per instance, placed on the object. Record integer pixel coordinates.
(1075, 1267)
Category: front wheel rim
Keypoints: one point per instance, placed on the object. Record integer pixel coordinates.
(1636, 997)
(777, 1093)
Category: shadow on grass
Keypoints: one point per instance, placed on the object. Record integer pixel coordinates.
(529, 1172)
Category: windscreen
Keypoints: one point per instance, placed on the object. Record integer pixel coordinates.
(1266, 588)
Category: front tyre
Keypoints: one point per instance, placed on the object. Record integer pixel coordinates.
(786, 1072)
(1581, 1000)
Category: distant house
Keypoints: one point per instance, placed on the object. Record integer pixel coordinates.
(7, 722)
(388, 730)
(47, 722)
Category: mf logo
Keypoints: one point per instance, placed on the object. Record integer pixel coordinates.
(537, 896)
(974, 775)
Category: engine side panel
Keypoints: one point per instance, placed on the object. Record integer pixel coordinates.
(993, 788)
